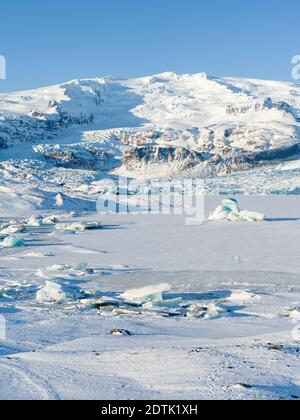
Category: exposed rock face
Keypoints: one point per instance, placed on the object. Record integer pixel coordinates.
(259, 107)
(154, 161)
(147, 155)
(38, 126)
(210, 160)
(78, 157)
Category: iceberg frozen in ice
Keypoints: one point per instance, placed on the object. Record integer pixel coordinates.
(11, 229)
(171, 307)
(168, 303)
(212, 310)
(120, 332)
(82, 266)
(56, 293)
(79, 226)
(50, 220)
(250, 216)
(51, 292)
(12, 242)
(230, 211)
(59, 267)
(146, 294)
(35, 221)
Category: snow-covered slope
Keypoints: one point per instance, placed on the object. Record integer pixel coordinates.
(158, 126)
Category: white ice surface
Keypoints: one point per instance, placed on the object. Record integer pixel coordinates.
(65, 351)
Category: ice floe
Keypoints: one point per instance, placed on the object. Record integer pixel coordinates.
(230, 211)
(146, 294)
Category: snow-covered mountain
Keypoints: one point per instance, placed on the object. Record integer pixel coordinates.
(158, 126)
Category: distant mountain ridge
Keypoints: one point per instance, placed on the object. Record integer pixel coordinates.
(162, 125)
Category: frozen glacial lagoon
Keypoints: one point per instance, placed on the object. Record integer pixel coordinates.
(65, 350)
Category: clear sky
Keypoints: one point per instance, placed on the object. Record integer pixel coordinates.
(58, 40)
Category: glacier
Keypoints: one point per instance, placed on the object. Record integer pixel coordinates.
(240, 135)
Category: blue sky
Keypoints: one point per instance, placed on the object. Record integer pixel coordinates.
(59, 40)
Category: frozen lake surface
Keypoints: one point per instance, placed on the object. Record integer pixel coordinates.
(64, 350)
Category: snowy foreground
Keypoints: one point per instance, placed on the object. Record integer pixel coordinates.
(244, 276)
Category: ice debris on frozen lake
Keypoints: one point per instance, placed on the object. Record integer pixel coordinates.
(79, 226)
(120, 332)
(150, 301)
(56, 293)
(37, 221)
(34, 221)
(50, 220)
(11, 229)
(172, 307)
(212, 310)
(230, 211)
(12, 242)
(83, 266)
(14, 227)
(146, 294)
(38, 255)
